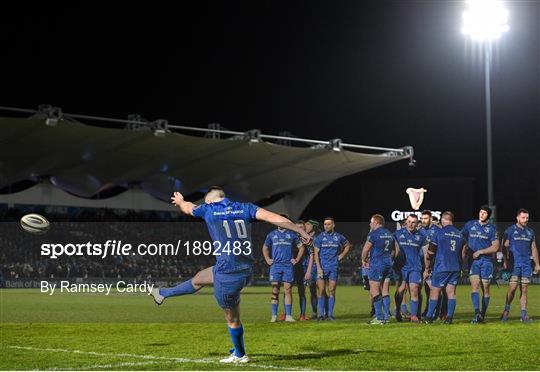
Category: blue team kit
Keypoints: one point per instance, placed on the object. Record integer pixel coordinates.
(411, 243)
(229, 222)
(520, 246)
(329, 245)
(282, 243)
(480, 236)
(447, 267)
(380, 259)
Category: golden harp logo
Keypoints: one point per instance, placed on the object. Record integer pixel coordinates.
(416, 197)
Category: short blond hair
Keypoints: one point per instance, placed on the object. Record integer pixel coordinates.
(378, 218)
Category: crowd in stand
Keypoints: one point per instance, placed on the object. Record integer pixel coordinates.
(20, 252)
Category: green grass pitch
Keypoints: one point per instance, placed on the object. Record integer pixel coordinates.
(121, 331)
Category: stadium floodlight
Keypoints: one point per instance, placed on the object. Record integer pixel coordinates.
(485, 20)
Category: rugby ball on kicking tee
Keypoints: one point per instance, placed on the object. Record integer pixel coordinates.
(35, 223)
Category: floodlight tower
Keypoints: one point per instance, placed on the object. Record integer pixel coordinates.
(484, 21)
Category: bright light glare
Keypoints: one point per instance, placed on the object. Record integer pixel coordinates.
(485, 20)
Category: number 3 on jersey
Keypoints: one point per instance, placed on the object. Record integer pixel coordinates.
(240, 225)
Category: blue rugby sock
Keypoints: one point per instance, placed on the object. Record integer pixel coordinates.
(431, 308)
(523, 313)
(237, 337)
(451, 307)
(438, 308)
(386, 306)
(288, 309)
(414, 307)
(404, 308)
(377, 303)
(507, 307)
(331, 303)
(274, 309)
(320, 306)
(181, 289)
(475, 297)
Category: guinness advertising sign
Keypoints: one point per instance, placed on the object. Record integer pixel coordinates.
(396, 199)
(416, 198)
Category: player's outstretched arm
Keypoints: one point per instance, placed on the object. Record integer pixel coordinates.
(280, 221)
(184, 206)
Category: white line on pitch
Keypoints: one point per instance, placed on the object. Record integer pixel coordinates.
(153, 357)
(103, 366)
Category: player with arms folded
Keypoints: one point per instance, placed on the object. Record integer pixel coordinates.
(229, 224)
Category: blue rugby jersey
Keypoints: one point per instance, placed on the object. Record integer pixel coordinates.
(429, 232)
(479, 236)
(383, 244)
(520, 243)
(329, 245)
(229, 225)
(282, 244)
(449, 242)
(411, 243)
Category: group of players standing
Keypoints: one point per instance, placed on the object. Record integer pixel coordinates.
(420, 254)
(317, 270)
(439, 249)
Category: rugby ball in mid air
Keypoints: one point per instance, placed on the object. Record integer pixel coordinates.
(35, 223)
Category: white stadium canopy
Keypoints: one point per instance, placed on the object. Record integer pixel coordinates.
(73, 164)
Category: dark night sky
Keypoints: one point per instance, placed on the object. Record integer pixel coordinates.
(386, 73)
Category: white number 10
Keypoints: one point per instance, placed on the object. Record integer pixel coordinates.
(240, 225)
